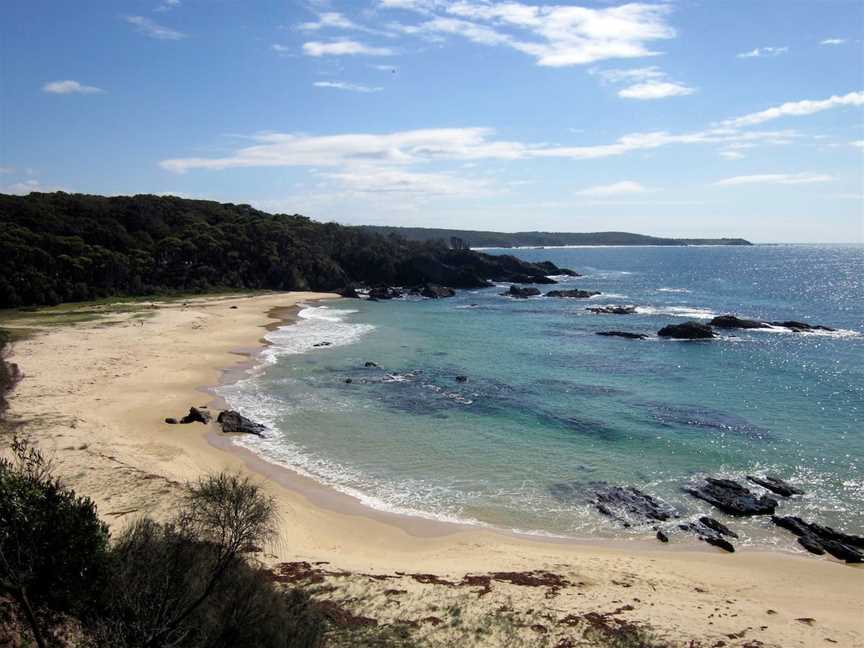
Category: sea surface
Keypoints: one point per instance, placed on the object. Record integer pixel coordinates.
(550, 409)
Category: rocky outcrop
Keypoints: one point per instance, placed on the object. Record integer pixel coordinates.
(711, 531)
(572, 294)
(196, 415)
(801, 327)
(733, 322)
(461, 379)
(434, 291)
(626, 503)
(687, 331)
(776, 485)
(322, 344)
(818, 539)
(349, 292)
(470, 269)
(234, 422)
(370, 365)
(613, 310)
(521, 293)
(732, 498)
(623, 334)
(384, 292)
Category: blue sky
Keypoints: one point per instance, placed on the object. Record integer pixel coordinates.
(685, 118)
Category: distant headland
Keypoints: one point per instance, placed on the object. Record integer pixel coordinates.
(482, 239)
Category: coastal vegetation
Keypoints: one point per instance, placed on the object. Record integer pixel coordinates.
(60, 247)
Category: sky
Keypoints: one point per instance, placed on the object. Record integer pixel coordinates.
(691, 118)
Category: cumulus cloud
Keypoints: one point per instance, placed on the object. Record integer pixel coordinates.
(796, 109)
(761, 52)
(655, 90)
(833, 41)
(342, 48)
(329, 19)
(730, 154)
(775, 178)
(70, 87)
(623, 187)
(342, 85)
(554, 35)
(153, 29)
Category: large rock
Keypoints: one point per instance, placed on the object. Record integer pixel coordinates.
(434, 291)
(733, 498)
(572, 294)
(687, 331)
(818, 539)
(384, 292)
(732, 322)
(196, 415)
(625, 503)
(802, 327)
(776, 485)
(711, 531)
(613, 310)
(623, 334)
(349, 292)
(234, 422)
(521, 293)
(471, 269)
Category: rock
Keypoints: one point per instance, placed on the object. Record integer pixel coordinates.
(618, 502)
(172, 421)
(572, 294)
(613, 310)
(232, 421)
(730, 321)
(234, 307)
(322, 344)
(719, 541)
(369, 364)
(348, 381)
(552, 269)
(461, 379)
(349, 292)
(384, 292)
(662, 537)
(717, 526)
(801, 327)
(776, 485)
(520, 293)
(196, 415)
(623, 334)
(434, 291)
(733, 498)
(818, 539)
(687, 331)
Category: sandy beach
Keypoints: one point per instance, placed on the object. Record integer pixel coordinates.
(95, 394)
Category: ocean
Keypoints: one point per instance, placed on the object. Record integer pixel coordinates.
(549, 410)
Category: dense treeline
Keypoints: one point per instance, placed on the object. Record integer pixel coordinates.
(528, 239)
(57, 247)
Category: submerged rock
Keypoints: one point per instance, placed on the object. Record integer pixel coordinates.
(322, 344)
(623, 334)
(520, 293)
(234, 422)
(196, 415)
(733, 498)
(731, 321)
(572, 294)
(801, 327)
(613, 310)
(717, 526)
(369, 364)
(776, 485)
(687, 331)
(818, 539)
(461, 379)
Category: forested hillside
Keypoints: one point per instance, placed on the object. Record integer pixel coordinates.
(478, 238)
(57, 247)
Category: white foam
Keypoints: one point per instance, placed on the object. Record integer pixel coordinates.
(677, 311)
(673, 290)
(316, 324)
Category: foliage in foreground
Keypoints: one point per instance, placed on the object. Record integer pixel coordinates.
(188, 583)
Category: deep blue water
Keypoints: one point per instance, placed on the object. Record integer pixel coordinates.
(548, 402)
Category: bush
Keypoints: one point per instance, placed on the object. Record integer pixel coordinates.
(53, 547)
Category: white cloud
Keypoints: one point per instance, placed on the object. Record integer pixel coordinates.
(281, 49)
(70, 87)
(858, 143)
(775, 178)
(389, 180)
(168, 5)
(655, 90)
(615, 189)
(731, 155)
(833, 41)
(343, 47)
(153, 29)
(761, 52)
(796, 109)
(617, 75)
(342, 85)
(329, 19)
(554, 35)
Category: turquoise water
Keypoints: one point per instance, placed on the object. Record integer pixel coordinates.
(549, 402)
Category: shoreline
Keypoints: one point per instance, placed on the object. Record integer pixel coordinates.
(95, 395)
